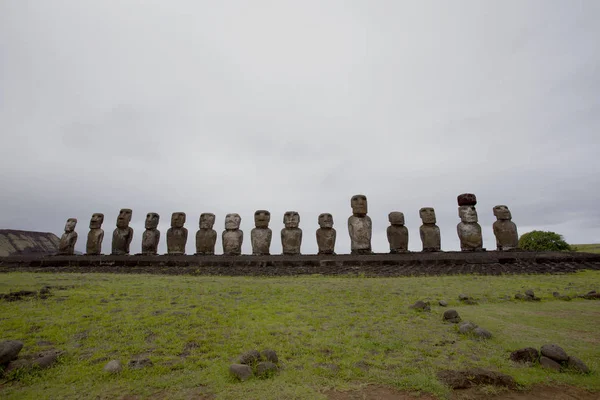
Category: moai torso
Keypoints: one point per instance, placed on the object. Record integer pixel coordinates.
(469, 231)
(232, 236)
(151, 235)
(326, 235)
(123, 234)
(291, 235)
(177, 234)
(67, 242)
(206, 237)
(507, 237)
(261, 235)
(397, 233)
(95, 236)
(360, 226)
(429, 231)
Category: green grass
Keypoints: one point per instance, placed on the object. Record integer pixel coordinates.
(328, 332)
(587, 248)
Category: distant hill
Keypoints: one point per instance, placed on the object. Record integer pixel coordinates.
(14, 242)
(587, 248)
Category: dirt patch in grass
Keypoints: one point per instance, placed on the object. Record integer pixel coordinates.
(376, 393)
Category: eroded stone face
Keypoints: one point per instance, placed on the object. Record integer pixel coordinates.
(124, 218)
(326, 220)
(507, 237)
(70, 225)
(502, 213)
(359, 205)
(397, 233)
(469, 231)
(95, 236)
(262, 218)
(396, 218)
(177, 234)
(96, 221)
(207, 221)
(67, 242)
(232, 221)
(291, 235)
(177, 220)
(206, 237)
(123, 235)
(427, 215)
(291, 219)
(467, 214)
(152, 220)
(326, 235)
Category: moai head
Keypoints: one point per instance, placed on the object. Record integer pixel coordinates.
(207, 220)
(232, 221)
(262, 218)
(467, 214)
(124, 218)
(96, 221)
(177, 219)
(359, 205)
(326, 220)
(152, 220)
(70, 225)
(396, 218)
(502, 212)
(427, 214)
(291, 219)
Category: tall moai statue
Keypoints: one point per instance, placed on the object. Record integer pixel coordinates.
(326, 234)
(397, 233)
(177, 234)
(232, 236)
(261, 235)
(430, 232)
(360, 226)
(123, 234)
(469, 231)
(505, 230)
(291, 235)
(206, 237)
(66, 246)
(151, 235)
(95, 236)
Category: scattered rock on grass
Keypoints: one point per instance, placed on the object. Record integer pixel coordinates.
(240, 371)
(549, 363)
(554, 352)
(421, 305)
(475, 376)
(443, 303)
(266, 369)
(140, 363)
(578, 365)
(270, 355)
(482, 333)
(525, 355)
(466, 327)
(9, 350)
(113, 367)
(42, 360)
(451, 316)
(250, 357)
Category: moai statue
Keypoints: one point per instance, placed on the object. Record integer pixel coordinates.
(397, 233)
(206, 237)
(261, 235)
(177, 234)
(95, 236)
(151, 235)
(291, 235)
(69, 238)
(360, 226)
(326, 234)
(430, 232)
(505, 230)
(469, 231)
(123, 235)
(232, 236)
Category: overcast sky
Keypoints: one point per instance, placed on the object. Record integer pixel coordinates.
(234, 106)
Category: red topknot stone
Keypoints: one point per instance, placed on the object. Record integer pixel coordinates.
(467, 199)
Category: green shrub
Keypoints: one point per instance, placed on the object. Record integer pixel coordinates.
(543, 241)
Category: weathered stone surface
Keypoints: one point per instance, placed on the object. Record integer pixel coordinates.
(123, 235)
(554, 352)
(463, 297)
(549, 363)
(69, 238)
(177, 234)
(96, 235)
(507, 237)
(9, 350)
(469, 231)
(421, 305)
(443, 303)
(250, 357)
(266, 369)
(42, 360)
(232, 236)
(475, 376)
(525, 355)
(270, 355)
(291, 235)
(397, 233)
(530, 293)
(360, 226)
(467, 199)
(113, 367)
(482, 333)
(140, 363)
(27, 243)
(151, 235)
(206, 237)
(261, 235)
(451, 316)
(578, 365)
(429, 231)
(466, 327)
(326, 235)
(240, 371)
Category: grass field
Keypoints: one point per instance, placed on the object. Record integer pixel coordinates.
(328, 332)
(587, 248)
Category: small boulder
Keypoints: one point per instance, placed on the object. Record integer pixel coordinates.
(525, 355)
(556, 294)
(520, 296)
(46, 359)
(482, 333)
(578, 365)
(466, 327)
(554, 352)
(249, 358)
(549, 363)
(266, 369)
(240, 371)
(463, 297)
(9, 350)
(113, 367)
(451, 316)
(421, 305)
(269, 355)
(529, 293)
(443, 303)
(140, 363)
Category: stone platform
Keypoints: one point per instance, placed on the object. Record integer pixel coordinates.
(407, 264)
